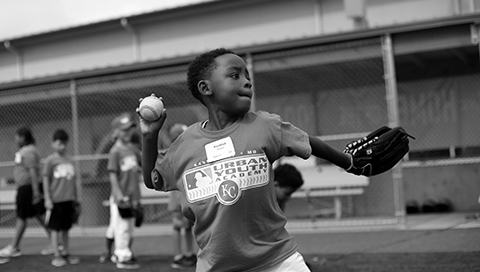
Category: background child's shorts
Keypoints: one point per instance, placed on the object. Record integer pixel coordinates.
(61, 216)
(23, 201)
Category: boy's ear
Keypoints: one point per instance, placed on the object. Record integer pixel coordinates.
(204, 88)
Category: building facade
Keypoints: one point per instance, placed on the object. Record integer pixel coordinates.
(337, 69)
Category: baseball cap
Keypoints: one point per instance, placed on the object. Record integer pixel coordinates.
(123, 121)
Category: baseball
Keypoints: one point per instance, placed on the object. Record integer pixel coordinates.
(151, 108)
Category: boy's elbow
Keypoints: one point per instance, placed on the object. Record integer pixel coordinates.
(155, 181)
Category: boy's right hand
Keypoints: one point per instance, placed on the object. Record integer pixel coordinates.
(151, 127)
(48, 204)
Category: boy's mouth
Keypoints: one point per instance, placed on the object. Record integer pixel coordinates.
(246, 94)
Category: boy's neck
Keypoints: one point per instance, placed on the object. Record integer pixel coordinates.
(216, 122)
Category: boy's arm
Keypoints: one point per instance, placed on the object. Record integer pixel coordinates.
(46, 194)
(149, 157)
(150, 132)
(116, 191)
(323, 150)
(35, 184)
(78, 189)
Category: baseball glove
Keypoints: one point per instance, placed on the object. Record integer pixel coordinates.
(125, 208)
(378, 152)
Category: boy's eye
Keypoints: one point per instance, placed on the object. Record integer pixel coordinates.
(234, 75)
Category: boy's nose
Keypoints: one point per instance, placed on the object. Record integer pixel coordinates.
(248, 84)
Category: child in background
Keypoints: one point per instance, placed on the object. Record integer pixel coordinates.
(287, 180)
(124, 174)
(182, 227)
(107, 255)
(29, 199)
(222, 167)
(61, 191)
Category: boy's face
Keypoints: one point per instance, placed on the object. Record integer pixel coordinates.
(283, 192)
(59, 146)
(126, 134)
(230, 85)
(19, 140)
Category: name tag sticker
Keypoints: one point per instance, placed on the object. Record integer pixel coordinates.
(220, 149)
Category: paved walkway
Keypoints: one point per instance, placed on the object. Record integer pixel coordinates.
(340, 236)
(433, 242)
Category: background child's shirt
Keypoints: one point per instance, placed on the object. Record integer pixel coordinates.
(61, 175)
(25, 158)
(124, 161)
(238, 223)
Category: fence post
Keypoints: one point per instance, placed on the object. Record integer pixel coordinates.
(393, 121)
(75, 138)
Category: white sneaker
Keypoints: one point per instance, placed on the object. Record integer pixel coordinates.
(10, 251)
(129, 264)
(47, 251)
(4, 260)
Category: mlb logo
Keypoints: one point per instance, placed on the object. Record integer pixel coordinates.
(198, 179)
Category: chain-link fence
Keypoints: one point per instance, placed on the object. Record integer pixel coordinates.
(334, 91)
(439, 99)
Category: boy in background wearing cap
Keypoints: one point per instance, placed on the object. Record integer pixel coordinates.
(182, 258)
(124, 174)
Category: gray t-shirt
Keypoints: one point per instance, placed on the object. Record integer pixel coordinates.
(227, 179)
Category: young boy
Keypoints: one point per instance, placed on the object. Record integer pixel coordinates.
(61, 192)
(29, 202)
(223, 168)
(124, 173)
(287, 180)
(107, 255)
(182, 227)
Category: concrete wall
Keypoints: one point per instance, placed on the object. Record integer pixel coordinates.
(186, 31)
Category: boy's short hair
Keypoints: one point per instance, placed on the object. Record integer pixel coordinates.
(288, 175)
(60, 135)
(201, 68)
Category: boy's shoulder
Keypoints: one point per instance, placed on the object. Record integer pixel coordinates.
(28, 149)
(262, 116)
(115, 148)
(55, 156)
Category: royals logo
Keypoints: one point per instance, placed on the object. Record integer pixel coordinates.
(226, 179)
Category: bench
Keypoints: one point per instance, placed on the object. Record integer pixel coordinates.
(325, 181)
(7, 203)
(7, 199)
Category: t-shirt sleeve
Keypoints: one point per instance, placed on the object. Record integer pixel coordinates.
(47, 167)
(162, 165)
(295, 142)
(285, 138)
(29, 159)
